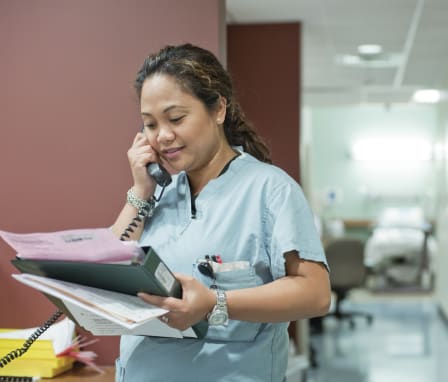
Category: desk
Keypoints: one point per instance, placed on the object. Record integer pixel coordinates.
(358, 223)
(81, 373)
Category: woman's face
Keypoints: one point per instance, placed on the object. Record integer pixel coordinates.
(178, 126)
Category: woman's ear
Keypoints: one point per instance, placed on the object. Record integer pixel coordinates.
(220, 112)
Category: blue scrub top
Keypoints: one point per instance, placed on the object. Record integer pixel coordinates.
(253, 213)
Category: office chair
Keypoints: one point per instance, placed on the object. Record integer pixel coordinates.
(345, 257)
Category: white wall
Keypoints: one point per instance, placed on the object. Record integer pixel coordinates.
(362, 189)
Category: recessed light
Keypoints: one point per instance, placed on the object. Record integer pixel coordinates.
(369, 49)
(383, 61)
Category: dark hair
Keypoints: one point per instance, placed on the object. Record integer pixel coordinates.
(200, 73)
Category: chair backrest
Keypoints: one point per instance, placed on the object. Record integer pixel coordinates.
(345, 257)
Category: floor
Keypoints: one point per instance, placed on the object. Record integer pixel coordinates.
(406, 342)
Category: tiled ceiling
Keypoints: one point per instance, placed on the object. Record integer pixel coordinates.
(413, 34)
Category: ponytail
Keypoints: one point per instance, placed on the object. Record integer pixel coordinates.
(239, 132)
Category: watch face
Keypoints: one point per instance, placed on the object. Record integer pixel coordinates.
(218, 318)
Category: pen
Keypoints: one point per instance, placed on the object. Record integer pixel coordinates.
(217, 259)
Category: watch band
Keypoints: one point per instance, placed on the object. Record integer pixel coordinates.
(221, 299)
(219, 315)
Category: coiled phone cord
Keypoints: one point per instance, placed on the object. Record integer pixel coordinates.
(33, 337)
(134, 224)
(142, 213)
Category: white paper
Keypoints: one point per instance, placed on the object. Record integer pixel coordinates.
(123, 309)
(61, 334)
(105, 312)
(102, 327)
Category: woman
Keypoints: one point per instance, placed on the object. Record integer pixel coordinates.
(228, 204)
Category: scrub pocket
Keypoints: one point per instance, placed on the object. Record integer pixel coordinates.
(235, 331)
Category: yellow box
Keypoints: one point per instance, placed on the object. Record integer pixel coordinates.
(17, 368)
(39, 360)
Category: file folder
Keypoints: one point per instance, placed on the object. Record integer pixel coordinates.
(151, 276)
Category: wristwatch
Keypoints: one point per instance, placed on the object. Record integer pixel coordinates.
(219, 315)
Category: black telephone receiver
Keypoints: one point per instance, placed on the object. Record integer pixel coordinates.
(158, 172)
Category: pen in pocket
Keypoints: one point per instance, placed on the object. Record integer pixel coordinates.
(210, 265)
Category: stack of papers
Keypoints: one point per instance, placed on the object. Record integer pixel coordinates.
(40, 360)
(94, 278)
(105, 312)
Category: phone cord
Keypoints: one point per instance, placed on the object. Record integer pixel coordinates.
(141, 215)
(130, 228)
(33, 337)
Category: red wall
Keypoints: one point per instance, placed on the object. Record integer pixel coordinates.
(264, 60)
(68, 114)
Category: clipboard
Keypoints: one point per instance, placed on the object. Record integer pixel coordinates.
(151, 276)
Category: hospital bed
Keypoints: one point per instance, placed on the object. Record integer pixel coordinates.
(401, 250)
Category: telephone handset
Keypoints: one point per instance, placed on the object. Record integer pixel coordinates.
(159, 173)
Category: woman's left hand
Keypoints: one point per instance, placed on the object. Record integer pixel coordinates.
(197, 301)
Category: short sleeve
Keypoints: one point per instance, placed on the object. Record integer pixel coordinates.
(292, 227)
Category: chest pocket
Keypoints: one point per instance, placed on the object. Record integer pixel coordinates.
(235, 331)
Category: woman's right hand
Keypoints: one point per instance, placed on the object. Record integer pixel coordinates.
(139, 155)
